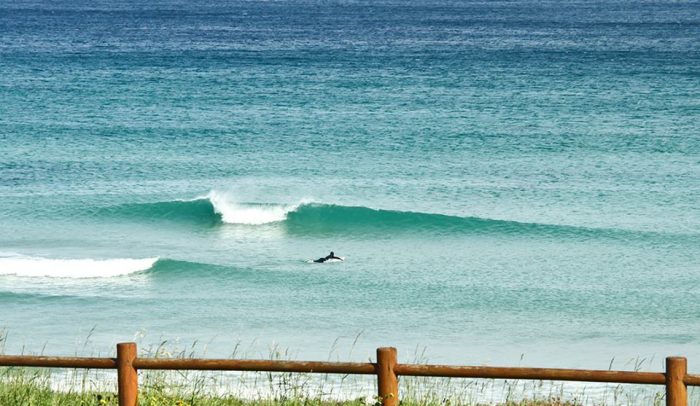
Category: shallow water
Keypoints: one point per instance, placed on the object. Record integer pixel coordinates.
(506, 180)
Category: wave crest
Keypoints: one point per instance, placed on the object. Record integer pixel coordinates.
(249, 214)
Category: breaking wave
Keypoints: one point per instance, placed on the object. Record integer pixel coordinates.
(309, 218)
(73, 268)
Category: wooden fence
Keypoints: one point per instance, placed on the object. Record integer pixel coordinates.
(127, 363)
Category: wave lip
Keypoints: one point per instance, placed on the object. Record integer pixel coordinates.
(73, 268)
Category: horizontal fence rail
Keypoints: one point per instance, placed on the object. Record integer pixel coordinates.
(256, 365)
(57, 362)
(387, 369)
(546, 374)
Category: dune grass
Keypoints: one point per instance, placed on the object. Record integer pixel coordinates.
(32, 387)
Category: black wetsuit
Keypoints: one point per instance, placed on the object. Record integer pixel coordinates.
(326, 258)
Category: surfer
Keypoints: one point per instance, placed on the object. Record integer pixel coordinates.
(327, 257)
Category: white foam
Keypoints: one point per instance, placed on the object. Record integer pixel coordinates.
(235, 213)
(73, 268)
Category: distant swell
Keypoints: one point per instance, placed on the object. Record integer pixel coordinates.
(323, 219)
(73, 268)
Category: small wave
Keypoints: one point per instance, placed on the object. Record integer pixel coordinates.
(174, 268)
(73, 268)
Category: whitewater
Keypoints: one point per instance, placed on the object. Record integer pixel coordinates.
(72, 268)
(510, 183)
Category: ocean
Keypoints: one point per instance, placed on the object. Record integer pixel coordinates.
(510, 182)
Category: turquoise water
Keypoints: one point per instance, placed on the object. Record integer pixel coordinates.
(505, 179)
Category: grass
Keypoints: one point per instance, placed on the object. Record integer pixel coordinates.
(24, 386)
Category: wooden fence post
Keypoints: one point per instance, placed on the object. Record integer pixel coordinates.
(387, 382)
(127, 376)
(676, 391)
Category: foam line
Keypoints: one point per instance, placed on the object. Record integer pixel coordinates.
(73, 268)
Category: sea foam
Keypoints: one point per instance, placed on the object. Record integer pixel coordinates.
(73, 268)
(235, 213)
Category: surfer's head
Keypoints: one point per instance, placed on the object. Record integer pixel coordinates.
(332, 254)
